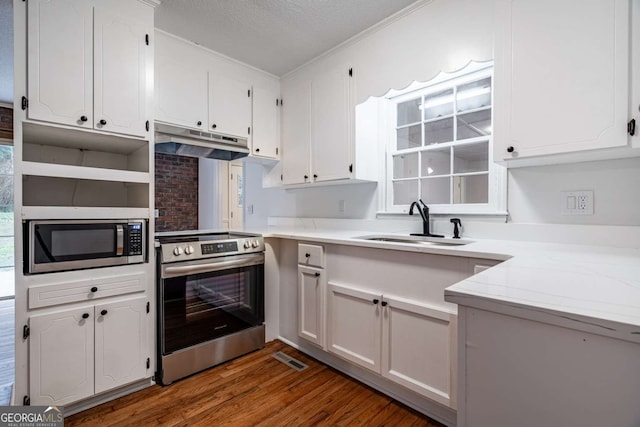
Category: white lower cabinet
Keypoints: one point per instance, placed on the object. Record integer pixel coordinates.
(406, 341)
(76, 353)
(311, 289)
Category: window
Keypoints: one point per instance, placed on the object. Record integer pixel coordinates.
(440, 150)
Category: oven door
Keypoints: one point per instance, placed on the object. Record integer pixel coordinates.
(207, 299)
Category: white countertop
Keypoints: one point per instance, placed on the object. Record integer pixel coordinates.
(596, 286)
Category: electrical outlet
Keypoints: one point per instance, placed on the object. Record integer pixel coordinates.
(577, 202)
(250, 209)
(341, 206)
(156, 213)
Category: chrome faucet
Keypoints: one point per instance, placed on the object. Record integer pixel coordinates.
(424, 213)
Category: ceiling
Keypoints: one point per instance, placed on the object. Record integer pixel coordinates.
(274, 35)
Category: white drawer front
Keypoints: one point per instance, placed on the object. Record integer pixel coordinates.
(85, 290)
(311, 255)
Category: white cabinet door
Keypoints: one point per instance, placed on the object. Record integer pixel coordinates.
(229, 106)
(180, 91)
(265, 134)
(296, 100)
(121, 345)
(311, 291)
(562, 76)
(332, 117)
(354, 324)
(416, 347)
(61, 356)
(120, 53)
(60, 56)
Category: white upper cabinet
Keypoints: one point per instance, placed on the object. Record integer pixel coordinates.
(87, 67)
(332, 116)
(60, 58)
(229, 106)
(265, 134)
(181, 91)
(295, 133)
(561, 77)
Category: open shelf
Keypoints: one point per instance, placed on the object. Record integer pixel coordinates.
(77, 212)
(83, 172)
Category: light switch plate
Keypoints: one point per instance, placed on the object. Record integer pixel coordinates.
(576, 202)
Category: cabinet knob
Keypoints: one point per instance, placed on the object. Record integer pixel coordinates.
(376, 300)
(83, 118)
(257, 150)
(104, 312)
(306, 177)
(307, 255)
(315, 176)
(85, 315)
(317, 274)
(384, 303)
(199, 123)
(94, 289)
(103, 122)
(213, 126)
(510, 149)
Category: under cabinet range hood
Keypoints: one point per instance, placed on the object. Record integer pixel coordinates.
(194, 143)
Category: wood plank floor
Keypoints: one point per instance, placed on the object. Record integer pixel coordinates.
(256, 389)
(7, 350)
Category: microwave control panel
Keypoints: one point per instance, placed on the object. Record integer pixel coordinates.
(135, 238)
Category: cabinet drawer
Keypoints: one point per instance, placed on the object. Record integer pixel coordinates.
(85, 290)
(311, 255)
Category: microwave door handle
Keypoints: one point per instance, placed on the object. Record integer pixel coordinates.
(44, 247)
(119, 240)
(215, 266)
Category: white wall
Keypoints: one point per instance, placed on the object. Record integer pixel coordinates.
(6, 51)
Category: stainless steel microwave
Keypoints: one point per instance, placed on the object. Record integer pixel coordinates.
(60, 245)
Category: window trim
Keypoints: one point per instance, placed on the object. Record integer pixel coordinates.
(497, 175)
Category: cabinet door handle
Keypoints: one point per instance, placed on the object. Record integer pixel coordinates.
(199, 123)
(83, 118)
(384, 303)
(94, 289)
(306, 177)
(315, 176)
(213, 126)
(510, 149)
(257, 150)
(317, 274)
(307, 255)
(103, 122)
(104, 312)
(376, 300)
(85, 315)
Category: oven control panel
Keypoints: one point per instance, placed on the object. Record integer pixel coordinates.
(185, 251)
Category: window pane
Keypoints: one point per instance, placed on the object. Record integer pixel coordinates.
(409, 112)
(405, 165)
(405, 192)
(438, 104)
(471, 158)
(474, 95)
(409, 137)
(438, 131)
(471, 189)
(476, 124)
(435, 190)
(436, 162)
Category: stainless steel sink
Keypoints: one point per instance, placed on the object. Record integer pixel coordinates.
(416, 240)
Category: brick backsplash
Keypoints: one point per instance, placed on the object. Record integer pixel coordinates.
(176, 197)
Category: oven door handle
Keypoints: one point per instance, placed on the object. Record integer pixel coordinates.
(213, 266)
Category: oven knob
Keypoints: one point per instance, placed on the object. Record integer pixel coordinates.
(188, 250)
(177, 251)
(254, 244)
(247, 244)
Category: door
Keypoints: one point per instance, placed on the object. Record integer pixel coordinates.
(311, 290)
(354, 317)
(120, 74)
(295, 133)
(332, 117)
(265, 135)
(236, 196)
(61, 356)
(229, 106)
(60, 62)
(416, 347)
(562, 76)
(120, 343)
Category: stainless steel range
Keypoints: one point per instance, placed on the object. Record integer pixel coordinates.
(210, 300)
